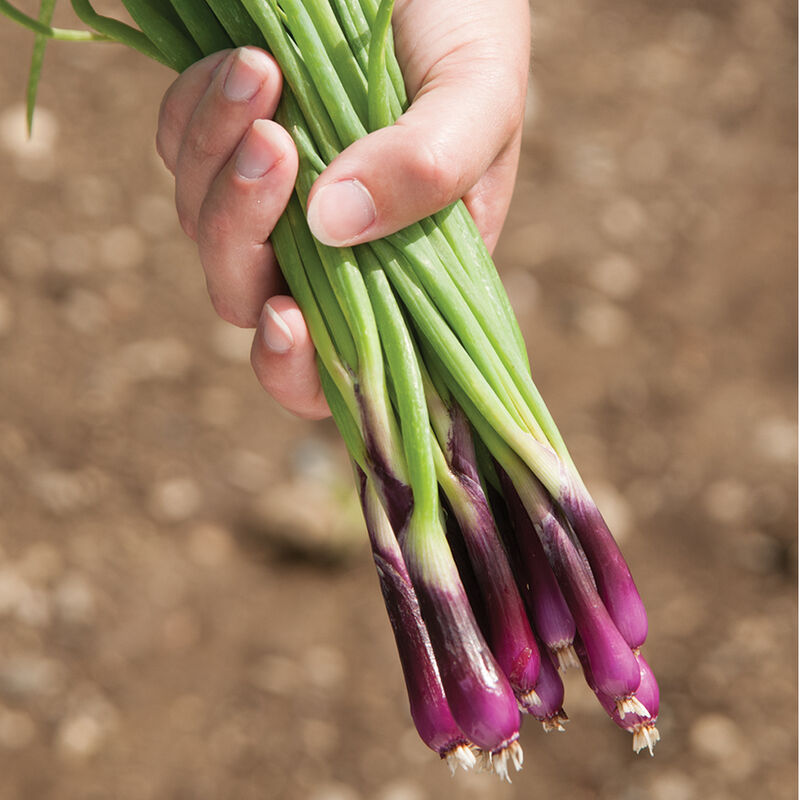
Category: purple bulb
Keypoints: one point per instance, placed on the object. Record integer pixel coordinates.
(508, 630)
(641, 723)
(613, 665)
(429, 709)
(611, 573)
(548, 609)
(550, 691)
(478, 693)
(500, 607)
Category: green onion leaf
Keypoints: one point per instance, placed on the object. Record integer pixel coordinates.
(37, 59)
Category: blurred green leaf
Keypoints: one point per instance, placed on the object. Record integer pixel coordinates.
(46, 10)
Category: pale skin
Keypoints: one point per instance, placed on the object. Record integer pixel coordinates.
(465, 66)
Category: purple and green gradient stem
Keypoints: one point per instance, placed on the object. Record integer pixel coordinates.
(508, 631)
(429, 708)
(611, 572)
(613, 664)
(551, 615)
(478, 693)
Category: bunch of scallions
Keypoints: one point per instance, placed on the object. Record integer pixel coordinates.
(497, 570)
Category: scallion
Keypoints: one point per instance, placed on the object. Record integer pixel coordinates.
(425, 371)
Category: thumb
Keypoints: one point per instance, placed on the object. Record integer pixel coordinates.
(458, 125)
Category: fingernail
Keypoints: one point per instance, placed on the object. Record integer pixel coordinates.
(277, 336)
(341, 211)
(255, 159)
(243, 80)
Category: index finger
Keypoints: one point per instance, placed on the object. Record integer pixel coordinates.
(179, 103)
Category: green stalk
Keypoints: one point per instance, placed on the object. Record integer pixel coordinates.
(237, 23)
(456, 311)
(455, 221)
(433, 432)
(342, 270)
(178, 50)
(298, 78)
(41, 28)
(380, 424)
(202, 25)
(351, 19)
(343, 417)
(349, 126)
(322, 292)
(494, 442)
(340, 54)
(495, 313)
(460, 247)
(380, 90)
(430, 324)
(437, 397)
(354, 25)
(292, 264)
(340, 264)
(46, 9)
(165, 11)
(480, 295)
(459, 227)
(403, 366)
(483, 303)
(369, 9)
(518, 458)
(460, 370)
(117, 31)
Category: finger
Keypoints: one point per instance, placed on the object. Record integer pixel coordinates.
(489, 200)
(284, 359)
(246, 87)
(179, 103)
(240, 210)
(450, 136)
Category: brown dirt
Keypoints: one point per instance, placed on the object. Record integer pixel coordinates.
(166, 636)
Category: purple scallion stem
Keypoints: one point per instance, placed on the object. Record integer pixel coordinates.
(611, 573)
(468, 580)
(478, 693)
(508, 630)
(551, 615)
(429, 709)
(613, 664)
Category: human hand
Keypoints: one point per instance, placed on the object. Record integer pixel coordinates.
(465, 67)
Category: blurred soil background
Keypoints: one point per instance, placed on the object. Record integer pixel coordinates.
(188, 608)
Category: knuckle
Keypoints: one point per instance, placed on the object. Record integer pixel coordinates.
(217, 226)
(168, 130)
(161, 148)
(231, 312)
(510, 101)
(316, 409)
(188, 225)
(265, 372)
(309, 408)
(300, 395)
(169, 115)
(201, 145)
(430, 168)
